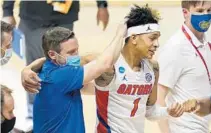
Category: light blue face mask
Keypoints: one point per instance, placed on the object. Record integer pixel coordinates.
(201, 23)
(7, 56)
(73, 60)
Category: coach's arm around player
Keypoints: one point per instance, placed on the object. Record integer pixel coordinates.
(31, 81)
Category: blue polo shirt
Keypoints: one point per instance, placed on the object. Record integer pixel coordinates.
(58, 105)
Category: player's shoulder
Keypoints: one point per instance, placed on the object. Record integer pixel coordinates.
(106, 78)
(155, 66)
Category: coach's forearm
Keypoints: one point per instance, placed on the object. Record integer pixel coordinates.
(106, 60)
(88, 58)
(36, 65)
(112, 52)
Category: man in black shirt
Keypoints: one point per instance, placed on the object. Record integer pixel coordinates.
(37, 16)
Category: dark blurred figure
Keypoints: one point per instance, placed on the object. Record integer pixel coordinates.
(7, 107)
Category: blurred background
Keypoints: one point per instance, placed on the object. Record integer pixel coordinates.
(93, 39)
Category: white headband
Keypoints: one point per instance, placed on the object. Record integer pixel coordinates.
(147, 28)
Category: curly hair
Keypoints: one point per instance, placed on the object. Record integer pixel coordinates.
(141, 16)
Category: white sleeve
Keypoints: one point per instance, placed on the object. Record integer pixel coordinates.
(171, 66)
(156, 112)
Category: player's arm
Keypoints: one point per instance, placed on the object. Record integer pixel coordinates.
(153, 111)
(162, 93)
(153, 96)
(156, 112)
(106, 60)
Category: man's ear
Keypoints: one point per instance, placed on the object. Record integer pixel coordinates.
(133, 39)
(52, 54)
(185, 13)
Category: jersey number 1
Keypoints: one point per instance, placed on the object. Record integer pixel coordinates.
(135, 108)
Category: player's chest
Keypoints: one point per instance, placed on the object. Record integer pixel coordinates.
(130, 83)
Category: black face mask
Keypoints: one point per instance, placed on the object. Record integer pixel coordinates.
(7, 125)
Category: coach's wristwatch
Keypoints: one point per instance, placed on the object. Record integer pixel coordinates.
(102, 4)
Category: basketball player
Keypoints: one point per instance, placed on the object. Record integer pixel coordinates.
(126, 94)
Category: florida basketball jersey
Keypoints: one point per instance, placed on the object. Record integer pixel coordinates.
(121, 105)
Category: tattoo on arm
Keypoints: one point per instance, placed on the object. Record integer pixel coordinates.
(105, 79)
(148, 101)
(151, 101)
(155, 66)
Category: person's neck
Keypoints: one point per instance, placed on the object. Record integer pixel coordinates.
(199, 35)
(132, 58)
(53, 61)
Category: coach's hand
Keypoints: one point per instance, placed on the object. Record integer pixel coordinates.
(30, 80)
(200, 107)
(203, 107)
(176, 110)
(190, 105)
